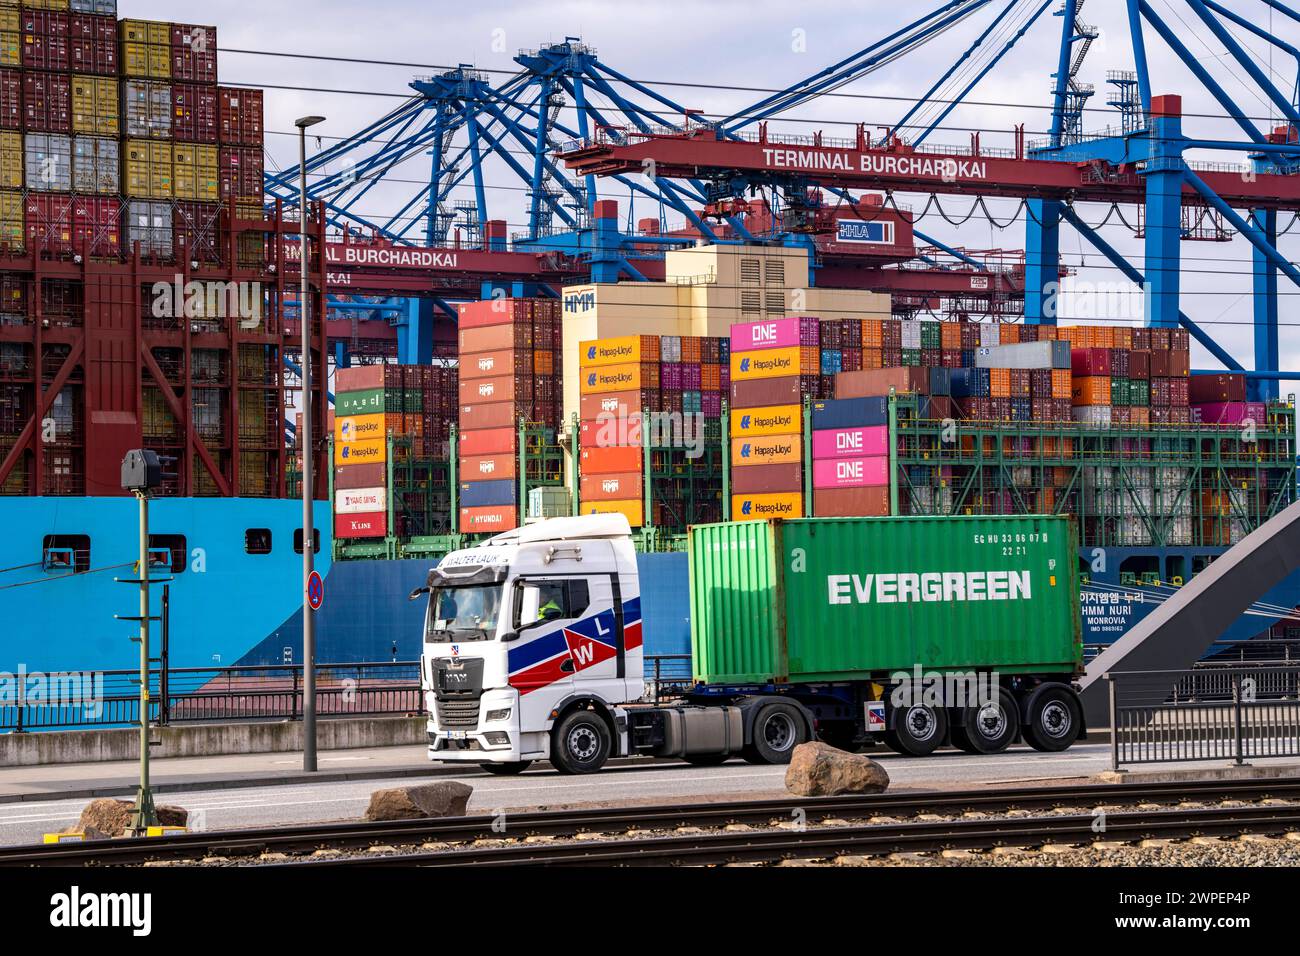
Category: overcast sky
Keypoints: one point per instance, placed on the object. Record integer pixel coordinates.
(766, 44)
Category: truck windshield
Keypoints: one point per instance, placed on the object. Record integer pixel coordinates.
(463, 613)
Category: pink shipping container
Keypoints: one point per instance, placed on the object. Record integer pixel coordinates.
(1230, 413)
(194, 53)
(194, 113)
(773, 334)
(11, 99)
(240, 112)
(851, 473)
(47, 102)
(45, 40)
(92, 44)
(850, 442)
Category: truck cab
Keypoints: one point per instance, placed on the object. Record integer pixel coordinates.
(525, 630)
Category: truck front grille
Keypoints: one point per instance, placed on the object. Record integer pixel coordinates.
(462, 714)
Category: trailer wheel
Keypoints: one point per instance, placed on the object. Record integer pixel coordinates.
(1054, 719)
(507, 769)
(989, 728)
(918, 730)
(580, 743)
(778, 729)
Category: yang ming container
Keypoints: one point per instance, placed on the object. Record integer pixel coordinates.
(837, 599)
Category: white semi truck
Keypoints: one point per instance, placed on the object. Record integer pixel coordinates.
(533, 650)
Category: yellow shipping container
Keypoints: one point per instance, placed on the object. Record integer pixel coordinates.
(359, 428)
(195, 172)
(11, 48)
(762, 507)
(11, 220)
(360, 452)
(11, 160)
(146, 49)
(767, 363)
(765, 421)
(10, 21)
(46, 4)
(631, 508)
(614, 378)
(95, 107)
(619, 351)
(771, 450)
(148, 169)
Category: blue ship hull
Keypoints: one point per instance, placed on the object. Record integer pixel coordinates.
(232, 607)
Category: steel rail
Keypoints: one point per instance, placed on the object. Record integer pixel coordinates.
(659, 817)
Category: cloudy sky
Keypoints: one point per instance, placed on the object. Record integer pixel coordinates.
(757, 45)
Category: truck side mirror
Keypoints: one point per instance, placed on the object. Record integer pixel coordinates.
(416, 593)
(509, 637)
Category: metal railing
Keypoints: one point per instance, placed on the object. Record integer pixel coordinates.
(1212, 712)
(191, 695)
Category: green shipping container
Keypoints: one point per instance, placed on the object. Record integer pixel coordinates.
(829, 599)
(369, 402)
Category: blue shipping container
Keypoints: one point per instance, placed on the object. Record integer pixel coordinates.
(850, 413)
(488, 494)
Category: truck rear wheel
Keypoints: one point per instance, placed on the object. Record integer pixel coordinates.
(778, 729)
(507, 769)
(990, 728)
(580, 743)
(1054, 719)
(918, 730)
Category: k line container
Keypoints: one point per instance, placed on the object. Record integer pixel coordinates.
(374, 525)
(876, 597)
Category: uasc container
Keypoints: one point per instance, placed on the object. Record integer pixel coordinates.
(865, 598)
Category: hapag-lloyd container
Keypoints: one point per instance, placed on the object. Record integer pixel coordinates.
(756, 507)
(768, 363)
(770, 420)
(826, 599)
(628, 349)
(776, 450)
(850, 442)
(851, 473)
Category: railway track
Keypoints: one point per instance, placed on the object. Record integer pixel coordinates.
(614, 821)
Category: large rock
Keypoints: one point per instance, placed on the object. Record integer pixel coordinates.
(819, 770)
(112, 817)
(446, 798)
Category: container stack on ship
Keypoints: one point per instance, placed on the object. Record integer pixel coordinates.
(509, 362)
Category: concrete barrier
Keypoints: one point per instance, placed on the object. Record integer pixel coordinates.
(206, 740)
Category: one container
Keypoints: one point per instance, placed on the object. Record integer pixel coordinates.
(772, 334)
(874, 597)
(864, 502)
(765, 479)
(850, 472)
(850, 442)
(776, 450)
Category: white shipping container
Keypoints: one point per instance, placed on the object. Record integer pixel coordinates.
(911, 334)
(49, 162)
(353, 501)
(990, 334)
(1024, 355)
(1094, 416)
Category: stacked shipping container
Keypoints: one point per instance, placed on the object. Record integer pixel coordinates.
(509, 373)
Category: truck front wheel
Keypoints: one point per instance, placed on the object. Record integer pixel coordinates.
(580, 743)
(778, 729)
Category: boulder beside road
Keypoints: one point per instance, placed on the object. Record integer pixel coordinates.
(446, 798)
(819, 770)
(110, 817)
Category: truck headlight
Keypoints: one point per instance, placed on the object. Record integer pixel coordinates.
(494, 715)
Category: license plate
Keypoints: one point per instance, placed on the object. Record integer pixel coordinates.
(456, 734)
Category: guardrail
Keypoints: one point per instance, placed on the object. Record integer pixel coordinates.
(108, 699)
(1211, 712)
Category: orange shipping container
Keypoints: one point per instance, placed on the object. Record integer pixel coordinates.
(632, 509)
(1091, 390)
(543, 363)
(873, 334)
(488, 520)
(1008, 334)
(611, 461)
(1062, 386)
(488, 441)
(488, 468)
(491, 364)
(610, 487)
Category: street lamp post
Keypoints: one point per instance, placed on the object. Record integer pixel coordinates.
(305, 445)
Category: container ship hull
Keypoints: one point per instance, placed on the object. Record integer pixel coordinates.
(232, 607)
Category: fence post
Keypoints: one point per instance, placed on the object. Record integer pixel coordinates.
(164, 659)
(1236, 718)
(1114, 722)
(293, 698)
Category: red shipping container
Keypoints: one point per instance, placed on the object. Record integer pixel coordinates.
(501, 362)
(373, 475)
(240, 112)
(851, 503)
(363, 378)
(489, 415)
(97, 226)
(488, 468)
(767, 479)
(488, 441)
(194, 53)
(194, 113)
(195, 229)
(1216, 388)
(1090, 362)
(11, 99)
(611, 487)
(49, 222)
(240, 173)
(501, 388)
(45, 40)
(92, 44)
(490, 312)
(612, 432)
(759, 392)
(488, 520)
(370, 525)
(1139, 365)
(47, 102)
(495, 338)
(611, 461)
(617, 404)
